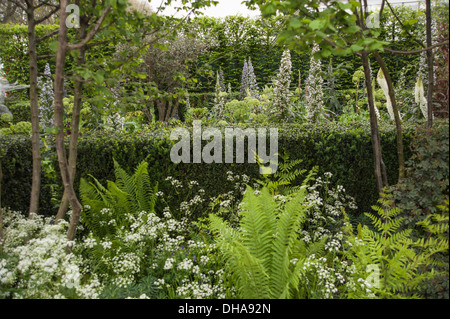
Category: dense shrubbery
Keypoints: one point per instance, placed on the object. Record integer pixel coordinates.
(150, 227)
(315, 145)
(163, 252)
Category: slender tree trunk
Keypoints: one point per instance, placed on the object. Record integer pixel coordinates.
(35, 140)
(376, 144)
(60, 148)
(430, 64)
(398, 123)
(162, 105)
(73, 145)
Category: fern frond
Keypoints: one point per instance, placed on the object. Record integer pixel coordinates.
(289, 223)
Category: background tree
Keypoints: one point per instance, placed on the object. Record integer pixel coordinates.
(31, 9)
(339, 29)
(109, 13)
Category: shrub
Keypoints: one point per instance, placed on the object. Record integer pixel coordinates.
(22, 128)
(344, 150)
(426, 182)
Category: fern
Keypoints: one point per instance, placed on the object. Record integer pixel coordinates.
(128, 195)
(287, 173)
(259, 253)
(403, 263)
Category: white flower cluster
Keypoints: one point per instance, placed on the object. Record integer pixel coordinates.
(202, 287)
(115, 121)
(38, 264)
(126, 266)
(313, 87)
(176, 183)
(282, 85)
(324, 217)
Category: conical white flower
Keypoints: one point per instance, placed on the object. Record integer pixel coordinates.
(219, 99)
(377, 112)
(313, 87)
(419, 96)
(244, 80)
(282, 84)
(384, 86)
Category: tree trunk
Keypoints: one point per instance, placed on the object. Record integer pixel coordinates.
(73, 146)
(35, 140)
(430, 64)
(376, 144)
(60, 149)
(398, 124)
(148, 114)
(161, 104)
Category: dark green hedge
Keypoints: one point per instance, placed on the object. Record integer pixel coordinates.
(345, 151)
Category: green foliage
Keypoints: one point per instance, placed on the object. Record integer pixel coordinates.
(426, 182)
(283, 181)
(315, 145)
(22, 128)
(127, 195)
(239, 111)
(195, 113)
(403, 263)
(20, 110)
(85, 113)
(260, 253)
(5, 119)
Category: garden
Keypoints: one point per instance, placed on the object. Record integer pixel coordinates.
(302, 154)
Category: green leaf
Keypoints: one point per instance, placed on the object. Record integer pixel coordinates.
(268, 9)
(325, 53)
(295, 23)
(53, 45)
(98, 77)
(344, 6)
(352, 29)
(318, 24)
(356, 48)
(355, 3)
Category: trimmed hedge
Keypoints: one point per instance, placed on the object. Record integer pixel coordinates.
(343, 150)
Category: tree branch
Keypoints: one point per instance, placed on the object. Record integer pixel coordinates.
(48, 15)
(41, 57)
(403, 27)
(417, 51)
(91, 33)
(19, 4)
(46, 2)
(49, 35)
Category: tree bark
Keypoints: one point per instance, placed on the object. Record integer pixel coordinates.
(73, 144)
(398, 123)
(429, 63)
(58, 103)
(35, 139)
(161, 105)
(376, 144)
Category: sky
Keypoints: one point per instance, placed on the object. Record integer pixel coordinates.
(233, 7)
(225, 8)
